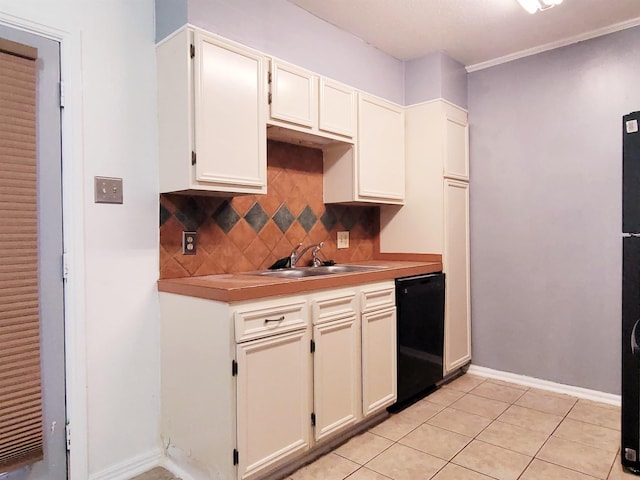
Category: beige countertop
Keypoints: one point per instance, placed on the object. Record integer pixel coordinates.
(235, 287)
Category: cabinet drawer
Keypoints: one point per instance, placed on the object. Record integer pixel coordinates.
(381, 297)
(333, 308)
(262, 322)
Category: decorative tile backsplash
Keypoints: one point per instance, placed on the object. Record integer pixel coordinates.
(251, 232)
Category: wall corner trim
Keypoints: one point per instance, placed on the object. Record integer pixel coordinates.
(131, 467)
(588, 394)
(439, 99)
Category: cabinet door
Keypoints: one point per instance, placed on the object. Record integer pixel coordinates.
(336, 376)
(380, 147)
(274, 400)
(230, 121)
(457, 327)
(378, 359)
(456, 156)
(293, 94)
(337, 108)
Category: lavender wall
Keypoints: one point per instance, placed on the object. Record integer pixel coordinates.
(170, 15)
(546, 208)
(435, 76)
(286, 31)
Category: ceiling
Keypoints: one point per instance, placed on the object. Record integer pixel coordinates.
(472, 31)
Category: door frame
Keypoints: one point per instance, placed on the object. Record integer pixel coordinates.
(73, 235)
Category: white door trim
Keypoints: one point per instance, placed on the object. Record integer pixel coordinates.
(73, 234)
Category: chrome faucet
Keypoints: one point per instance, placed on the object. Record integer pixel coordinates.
(295, 256)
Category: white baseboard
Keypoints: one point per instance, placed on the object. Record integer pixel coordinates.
(595, 395)
(131, 467)
(176, 470)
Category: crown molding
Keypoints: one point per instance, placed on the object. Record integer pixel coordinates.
(616, 27)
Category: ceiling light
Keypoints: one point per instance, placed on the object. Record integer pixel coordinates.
(532, 6)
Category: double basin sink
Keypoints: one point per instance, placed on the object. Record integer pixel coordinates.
(302, 272)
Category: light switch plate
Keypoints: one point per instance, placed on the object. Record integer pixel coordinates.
(108, 190)
(343, 240)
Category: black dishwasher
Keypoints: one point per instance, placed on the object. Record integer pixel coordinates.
(420, 334)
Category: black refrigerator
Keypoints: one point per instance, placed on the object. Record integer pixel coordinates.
(630, 451)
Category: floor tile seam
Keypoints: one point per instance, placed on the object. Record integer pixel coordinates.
(540, 411)
(506, 448)
(477, 414)
(441, 428)
(531, 459)
(420, 451)
(498, 446)
(526, 468)
(431, 402)
(592, 403)
(590, 423)
(522, 391)
(522, 426)
(448, 460)
(550, 435)
(582, 443)
(453, 431)
(577, 420)
(544, 411)
(613, 465)
(572, 469)
(615, 457)
(481, 397)
(496, 381)
(579, 443)
(473, 470)
(361, 467)
(376, 455)
(478, 394)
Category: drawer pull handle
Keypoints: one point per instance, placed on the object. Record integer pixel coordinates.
(279, 319)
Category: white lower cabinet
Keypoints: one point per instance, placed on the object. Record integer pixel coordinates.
(273, 400)
(379, 348)
(336, 363)
(250, 386)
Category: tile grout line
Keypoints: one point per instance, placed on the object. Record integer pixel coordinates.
(566, 415)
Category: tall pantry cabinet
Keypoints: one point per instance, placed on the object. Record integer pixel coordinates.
(435, 217)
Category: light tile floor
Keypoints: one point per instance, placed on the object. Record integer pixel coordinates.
(480, 429)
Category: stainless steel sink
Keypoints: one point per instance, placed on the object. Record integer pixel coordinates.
(301, 272)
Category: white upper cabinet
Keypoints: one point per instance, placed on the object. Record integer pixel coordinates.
(293, 94)
(456, 137)
(337, 108)
(374, 170)
(380, 149)
(212, 115)
(301, 101)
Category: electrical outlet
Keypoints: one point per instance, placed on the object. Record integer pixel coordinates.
(343, 240)
(189, 243)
